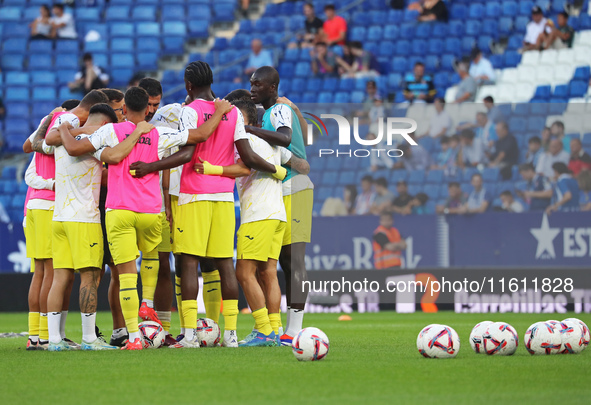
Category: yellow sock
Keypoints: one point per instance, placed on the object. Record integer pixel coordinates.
(179, 300)
(261, 321)
(275, 320)
(212, 294)
(129, 301)
(190, 314)
(230, 313)
(43, 331)
(149, 272)
(34, 324)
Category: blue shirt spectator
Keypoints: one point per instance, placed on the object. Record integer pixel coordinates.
(481, 69)
(479, 199)
(537, 191)
(534, 150)
(419, 87)
(565, 196)
(258, 57)
(495, 115)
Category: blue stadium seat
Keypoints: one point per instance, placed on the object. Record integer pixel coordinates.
(395, 16)
(441, 80)
(521, 24)
(12, 62)
(286, 69)
(432, 191)
(173, 45)
(431, 63)
(314, 85)
(423, 31)
(122, 45)
(458, 11)
(100, 59)
(521, 109)
(456, 28)
(17, 110)
(493, 9)
(391, 32)
(41, 60)
(122, 60)
(490, 174)
(342, 97)
(71, 61)
(447, 61)
(100, 46)
(14, 30)
(476, 11)
(535, 124)
(178, 28)
(473, 27)
(15, 45)
(148, 29)
(16, 94)
(143, 13)
(120, 77)
(302, 69)
(122, 29)
(418, 47)
(436, 46)
(407, 31)
(374, 34)
(89, 14)
(402, 47)
(509, 8)
(435, 176)
(467, 44)
(483, 44)
(416, 177)
(505, 25)
(525, 7)
(202, 12)
(358, 34)
(410, 15)
(10, 14)
(347, 85)
(578, 88)
(539, 108)
(453, 46)
(199, 28)
(18, 78)
(223, 12)
(325, 97)
(357, 97)
(512, 58)
(490, 27)
(147, 60)
(43, 77)
(330, 84)
(309, 98)
(117, 13)
(41, 46)
(561, 91)
(44, 93)
(173, 12)
(66, 46)
(517, 124)
(558, 5)
(582, 73)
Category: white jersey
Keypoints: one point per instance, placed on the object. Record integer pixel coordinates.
(297, 183)
(260, 193)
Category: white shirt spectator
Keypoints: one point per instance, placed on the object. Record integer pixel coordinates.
(439, 122)
(482, 68)
(547, 160)
(364, 202)
(69, 30)
(533, 31)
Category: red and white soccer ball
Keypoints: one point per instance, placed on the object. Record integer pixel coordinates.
(500, 339)
(476, 336)
(572, 337)
(422, 333)
(310, 344)
(584, 328)
(208, 332)
(543, 338)
(153, 334)
(439, 342)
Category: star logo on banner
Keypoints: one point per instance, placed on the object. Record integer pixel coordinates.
(545, 237)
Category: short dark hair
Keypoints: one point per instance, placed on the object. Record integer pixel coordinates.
(114, 95)
(329, 7)
(507, 193)
(367, 177)
(527, 166)
(440, 99)
(558, 123)
(489, 99)
(152, 86)
(419, 63)
(454, 138)
(444, 139)
(199, 74)
(268, 74)
(535, 139)
(560, 168)
(248, 109)
(58, 5)
(381, 181)
(467, 133)
(504, 125)
(309, 4)
(70, 104)
(320, 43)
(564, 14)
(136, 99)
(401, 182)
(453, 184)
(238, 94)
(422, 197)
(106, 110)
(87, 56)
(93, 97)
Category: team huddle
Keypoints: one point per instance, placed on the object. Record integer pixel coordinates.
(115, 174)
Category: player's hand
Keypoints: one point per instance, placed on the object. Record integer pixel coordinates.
(284, 100)
(144, 127)
(222, 106)
(204, 167)
(139, 169)
(66, 125)
(168, 212)
(280, 172)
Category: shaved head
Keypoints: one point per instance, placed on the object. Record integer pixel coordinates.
(267, 75)
(263, 86)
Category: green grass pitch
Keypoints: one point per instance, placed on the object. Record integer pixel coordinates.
(372, 359)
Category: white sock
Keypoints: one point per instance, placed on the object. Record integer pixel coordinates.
(34, 338)
(149, 303)
(296, 319)
(183, 331)
(164, 316)
(88, 324)
(134, 335)
(53, 326)
(63, 324)
(281, 331)
(229, 334)
(117, 333)
(287, 316)
(190, 334)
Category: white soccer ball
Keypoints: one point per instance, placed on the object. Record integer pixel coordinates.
(572, 337)
(584, 328)
(476, 336)
(554, 324)
(153, 334)
(208, 332)
(440, 342)
(422, 333)
(310, 344)
(543, 338)
(500, 338)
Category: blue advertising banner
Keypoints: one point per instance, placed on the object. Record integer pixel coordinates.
(13, 253)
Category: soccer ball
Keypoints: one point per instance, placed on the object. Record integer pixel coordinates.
(543, 338)
(554, 324)
(584, 328)
(422, 333)
(208, 332)
(310, 344)
(500, 338)
(476, 336)
(440, 342)
(572, 337)
(153, 333)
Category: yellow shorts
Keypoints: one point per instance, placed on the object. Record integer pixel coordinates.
(129, 231)
(166, 243)
(298, 208)
(38, 234)
(260, 240)
(77, 245)
(174, 207)
(205, 228)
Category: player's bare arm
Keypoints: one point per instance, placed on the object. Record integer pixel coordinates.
(299, 165)
(166, 194)
(184, 155)
(239, 169)
(37, 144)
(255, 162)
(120, 151)
(53, 138)
(281, 137)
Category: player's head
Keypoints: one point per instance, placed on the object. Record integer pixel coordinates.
(248, 109)
(386, 219)
(90, 99)
(70, 104)
(264, 83)
(116, 101)
(198, 76)
(154, 90)
(136, 104)
(101, 114)
(238, 94)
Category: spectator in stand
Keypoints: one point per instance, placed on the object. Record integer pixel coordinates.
(314, 31)
(258, 57)
(553, 155)
(479, 199)
(365, 200)
(506, 152)
(350, 197)
(584, 180)
(375, 114)
(472, 152)
(371, 94)
(466, 90)
(538, 190)
(62, 24)
(357, 62)
(557, 131)
(244, 4)
(481, 69)
(414, 158)
(536, 30)
(494, 114)
(324, 61)
(440, 121)
(446, 158)
(387, 244)
(455, 202)
(565, 196)
(384, 197)
(418, 204)
(483, 128)
(509, 203)
(90, 77)
(380, 160)
(546, 137)
(579, 159)
(534, 150)
(430, 10)
(401, 204)
(335, 27)
(419, 87)
(560, 37)
(41, 26)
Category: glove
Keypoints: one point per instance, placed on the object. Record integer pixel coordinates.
(210, 169)
(280, 172)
